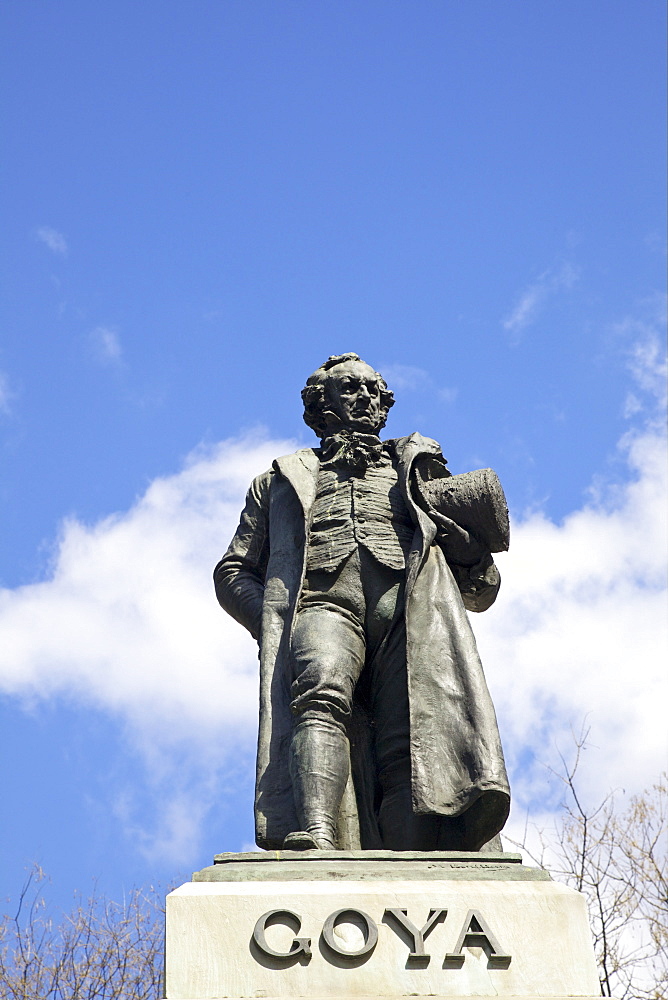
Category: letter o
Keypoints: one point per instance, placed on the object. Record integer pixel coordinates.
(300, 946)
(370, 933)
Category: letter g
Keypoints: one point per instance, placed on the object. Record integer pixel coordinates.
(300, 946)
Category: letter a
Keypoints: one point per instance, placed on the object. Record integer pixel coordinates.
(476, 934)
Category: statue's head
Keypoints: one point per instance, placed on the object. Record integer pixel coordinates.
(346, 393)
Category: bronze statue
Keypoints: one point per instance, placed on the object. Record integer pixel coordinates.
(352, 566)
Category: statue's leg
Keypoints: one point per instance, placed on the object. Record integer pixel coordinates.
(319, 766)
(328, 651)
(401, 828)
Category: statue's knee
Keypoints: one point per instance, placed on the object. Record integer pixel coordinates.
(322, 688)
(309, 709)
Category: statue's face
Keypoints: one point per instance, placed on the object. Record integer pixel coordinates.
(352, 393)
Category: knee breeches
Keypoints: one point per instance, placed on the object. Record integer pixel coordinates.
(349, 630)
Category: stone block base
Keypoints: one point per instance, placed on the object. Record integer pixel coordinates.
(376, 924)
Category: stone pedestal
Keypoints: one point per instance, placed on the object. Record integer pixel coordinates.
(328, 926)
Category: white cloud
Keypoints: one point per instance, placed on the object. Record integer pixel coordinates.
(646, 355)
(580, 631)
(6, 394)
(448, 395)
(535, 295)
(54, 240)
(128, 620)
(409, 378)
(406, 377)
(127, 623)
(106, 345)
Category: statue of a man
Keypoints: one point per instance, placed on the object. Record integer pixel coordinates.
(377, 730)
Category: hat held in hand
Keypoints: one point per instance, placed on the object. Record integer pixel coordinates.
(473, 500)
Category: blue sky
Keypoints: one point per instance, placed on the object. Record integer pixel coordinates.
(201, 202)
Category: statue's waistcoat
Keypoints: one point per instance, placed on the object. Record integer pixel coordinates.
(352, 510)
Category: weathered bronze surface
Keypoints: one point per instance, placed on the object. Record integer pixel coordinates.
(353, 566)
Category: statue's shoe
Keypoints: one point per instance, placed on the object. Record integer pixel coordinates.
(301, 840)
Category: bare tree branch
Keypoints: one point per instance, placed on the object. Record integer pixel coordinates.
(616, 856)
(99, 951)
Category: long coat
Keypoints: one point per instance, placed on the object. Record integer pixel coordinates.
(457, 762)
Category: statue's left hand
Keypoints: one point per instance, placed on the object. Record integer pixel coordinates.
(458, 544)
(478, 584)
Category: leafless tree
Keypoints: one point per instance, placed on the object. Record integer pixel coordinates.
(617, 857)
(99, 951)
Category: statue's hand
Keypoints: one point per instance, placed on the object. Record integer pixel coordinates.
(478, 584)
(458, 544)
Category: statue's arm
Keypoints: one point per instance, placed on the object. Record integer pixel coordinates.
(239, 576)
(478, 584)
(471, 562)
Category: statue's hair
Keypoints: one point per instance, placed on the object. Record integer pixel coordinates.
(313, 394)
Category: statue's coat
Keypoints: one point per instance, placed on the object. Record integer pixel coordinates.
(456, 757)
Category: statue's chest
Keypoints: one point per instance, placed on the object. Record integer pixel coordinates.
(343, 498)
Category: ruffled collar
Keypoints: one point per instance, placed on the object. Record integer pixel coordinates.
(353, 449)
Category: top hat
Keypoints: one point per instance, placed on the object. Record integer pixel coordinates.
(473, 500)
